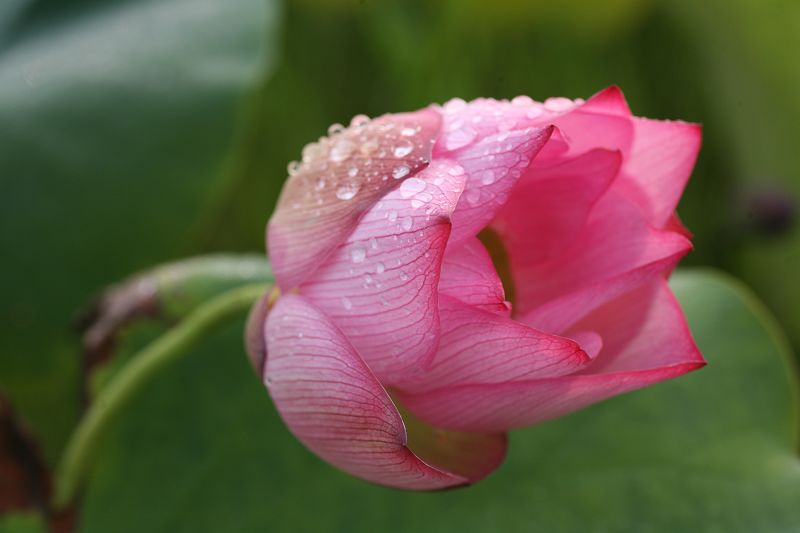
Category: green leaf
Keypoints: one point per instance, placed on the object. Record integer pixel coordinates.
(22, 523)
(121, 125)
(202, 449)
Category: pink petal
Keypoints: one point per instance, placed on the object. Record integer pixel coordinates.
(479, 346)
(469, 275)
(645, 340)
(659, 164)
(610, 101)
(551, 204)
(615, 251)
(493, 167)
(340, 178)
(658, 155)
(380, 286)
(333, 403)
(642, 329)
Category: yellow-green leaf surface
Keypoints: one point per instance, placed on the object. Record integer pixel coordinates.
(202, 449)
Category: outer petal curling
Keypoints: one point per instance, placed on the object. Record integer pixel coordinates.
(482, 347)
(339, 179)
(380, 286)
(645, 340)
(331, 401)
(492, 407)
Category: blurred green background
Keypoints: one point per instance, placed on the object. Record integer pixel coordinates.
(133, 132)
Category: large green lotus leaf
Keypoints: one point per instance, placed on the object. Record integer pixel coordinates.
(202, 449)
(121, 123)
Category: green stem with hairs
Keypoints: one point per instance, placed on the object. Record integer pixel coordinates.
(130, 379)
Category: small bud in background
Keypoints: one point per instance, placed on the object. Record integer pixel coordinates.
(770, 210)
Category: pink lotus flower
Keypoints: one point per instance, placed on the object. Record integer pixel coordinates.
(389, 244)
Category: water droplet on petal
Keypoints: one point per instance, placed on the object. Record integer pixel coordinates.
(407, 223)
(558, 103)
(454, 105)
(411, 186)
(380, 268)
(488, 177)
(320, 184)
(460, 138)
(403, 276)
(400, 171)
(346, 303)
(507, 125)
(335, 128)
(368, 147)
(293, 167)
(403, 149)
(534, 111)
(373, 243)
(521, 101)
(420, 200)
(352, 172)
(347, 191)
(392, 216)
(359, 121)
(342, 150)
(358, 253)
(408, 132)
(473, 196)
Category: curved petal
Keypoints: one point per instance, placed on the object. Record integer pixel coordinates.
(380, 286)
(615, 251)
(469, 275)
(490, 407)
(493, 167)
(645, 340)
(551, 204)
(610, 100)
(659, 164)
(478, 346)
(339, 179)
(642, 329)
(331, 401)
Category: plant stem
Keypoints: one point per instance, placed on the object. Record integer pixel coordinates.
(142, 367)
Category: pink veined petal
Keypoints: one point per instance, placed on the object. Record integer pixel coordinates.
(658, 157)
(551, 204)
(615, 251)
(645, 340)
(469, 275)
(610, 101)
(489, 407)
(380, 286)
(493, 167)
(339, 179)
(331, 401)
(642, 329)
(478, 346)
(659, 164)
